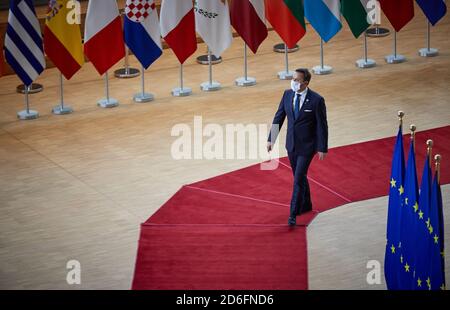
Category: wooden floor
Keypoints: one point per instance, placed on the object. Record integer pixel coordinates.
(78, 186)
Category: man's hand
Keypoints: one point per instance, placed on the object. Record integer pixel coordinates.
(269, 146)
(322, 155)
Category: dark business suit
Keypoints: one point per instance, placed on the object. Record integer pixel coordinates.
(306, 135)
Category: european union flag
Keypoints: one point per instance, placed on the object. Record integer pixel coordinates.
(434, 10)
(436, 280)
(422, 254)
(396, 192)
(408, 223)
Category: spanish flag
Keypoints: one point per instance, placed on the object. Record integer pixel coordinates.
(62, 37)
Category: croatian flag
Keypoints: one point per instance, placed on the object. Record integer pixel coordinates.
(324, 16)
(141, 30)
(23, 41)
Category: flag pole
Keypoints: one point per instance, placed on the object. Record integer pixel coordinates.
(413, 128)
(210, 85)
(181, 91)
(428, 51)
(365, 62)
(27, 113)
(143, 96)
(400, 115)
(107, 102)
(437, 159)
(322, 69)
(245, 80)
(61, 109)
(286, 75)
(395, 58)
(430, 151)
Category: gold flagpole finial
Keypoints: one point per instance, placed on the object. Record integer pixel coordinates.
(437, 160)
(400, 115)
(413, 128)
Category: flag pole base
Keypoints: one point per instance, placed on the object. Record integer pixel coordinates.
(322, 70)
(126, 73)
(425, 52)
(377, 32)
(181, 92)
(283, 75)
(26, 115)
(203, 60)
(108, 103)
(244, 82)
(143, 97)
(206, 86)
(395, 59)
(32, 89)
(363, 64)
(279, 48)
(59, 110)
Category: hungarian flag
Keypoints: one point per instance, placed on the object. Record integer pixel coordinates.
(399, 12)
(248, 19)
(212, 21)
(355, 13)
(62, 39)
(433, 9)
(287, 18)
(178, 27)
(103, 37)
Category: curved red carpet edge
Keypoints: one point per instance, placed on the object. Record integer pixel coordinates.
(230, 231)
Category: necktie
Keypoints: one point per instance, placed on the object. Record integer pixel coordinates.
(297, 106)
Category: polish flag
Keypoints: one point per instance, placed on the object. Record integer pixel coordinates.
(178, 27)
(103, 37)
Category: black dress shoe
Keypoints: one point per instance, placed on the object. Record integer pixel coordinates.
(291, 221)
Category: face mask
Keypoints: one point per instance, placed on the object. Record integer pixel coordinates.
(295, 86)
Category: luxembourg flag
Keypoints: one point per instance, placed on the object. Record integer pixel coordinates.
(324, 16)
(141, 31)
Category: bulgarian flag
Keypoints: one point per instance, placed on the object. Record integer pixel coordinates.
(355, 13)
(62, 39)
(287, 18)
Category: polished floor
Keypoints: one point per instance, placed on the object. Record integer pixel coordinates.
(78, 186)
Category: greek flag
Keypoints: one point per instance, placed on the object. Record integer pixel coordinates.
(23, 41)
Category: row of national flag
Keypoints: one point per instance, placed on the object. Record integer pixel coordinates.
(414, 257)
(178, 23)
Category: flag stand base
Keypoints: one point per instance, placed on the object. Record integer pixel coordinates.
(181, 92)
(283, 75)
(395, 59)
(126, 73)
(364, 64)
(25, 115)
(58, 110)
(32, 89)
(207, 86)
(322, 70)
(143, 97)
(377, 32)
(242, 81)
(279, 48)
(203, 60)
(108, 103)
(425, 52)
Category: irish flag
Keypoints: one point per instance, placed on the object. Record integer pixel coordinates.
(178, 27)
(62, 38)
(287, 18)
(103, 37)
(355, 12)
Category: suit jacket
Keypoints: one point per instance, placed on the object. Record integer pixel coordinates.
(307, 134)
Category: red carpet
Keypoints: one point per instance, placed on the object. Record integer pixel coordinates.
(230, 231)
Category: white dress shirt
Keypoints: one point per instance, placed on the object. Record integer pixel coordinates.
(302, 98)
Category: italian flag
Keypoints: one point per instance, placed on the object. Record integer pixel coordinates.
(287, 19)
(355, 12)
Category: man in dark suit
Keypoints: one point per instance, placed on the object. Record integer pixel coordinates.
(307, 134)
